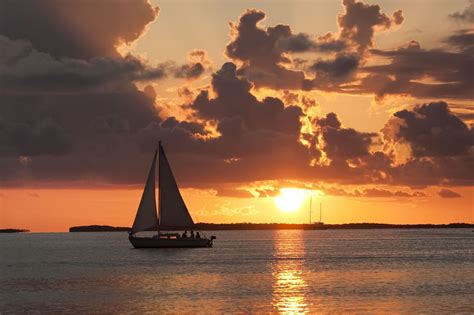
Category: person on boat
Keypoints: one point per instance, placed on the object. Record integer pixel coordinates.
(192, 234)
(198, 235)
(185, 234)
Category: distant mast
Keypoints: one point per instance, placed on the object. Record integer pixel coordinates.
(320, 211)
(311, 208)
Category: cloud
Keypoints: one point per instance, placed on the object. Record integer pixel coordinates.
(267, 192)
(372, 193)
(78, 30)
(446, 193)
(234, 193)
(198, 62)
(23, 68)
(262, 51)
(264, 55)
(193, 127)
(72, 113)
(359, 21)
(342, 143)
(440, 143)
(40, 137)
(302, 42)
(411, 69)
(431, 130)
(463, 40)
(465, 16)
(238, 109)
(338, 70)
(58, 124)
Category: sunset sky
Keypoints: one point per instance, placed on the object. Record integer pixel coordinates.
(366, 106)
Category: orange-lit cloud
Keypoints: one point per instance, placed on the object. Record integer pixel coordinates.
(75, 112)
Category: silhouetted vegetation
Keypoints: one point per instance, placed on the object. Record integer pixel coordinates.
(345, 226)
(13, 231)
(98, 228)
(283, 226)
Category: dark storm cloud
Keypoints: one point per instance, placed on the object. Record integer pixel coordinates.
(372, 193)
(330, 120)
(410, 65)
(22, 68)
(340, 69)
(432, 130)
(107, 132)
(257, 49)
(441, 146)
(191, 71)
(342, 143)
(379, 193)
(192, 127)
(40, 137)
(446, 193)
(58, 124)
(236, 105)
(303, 42)
(198, 62)
(359, 21)
(82, 29)
(423, 172)
(465, 16)
(463, 40)
(263, 54)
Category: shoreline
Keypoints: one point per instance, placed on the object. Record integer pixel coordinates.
(282, 226)
(9, 231)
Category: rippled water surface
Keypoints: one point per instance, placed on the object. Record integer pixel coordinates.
(352, 271)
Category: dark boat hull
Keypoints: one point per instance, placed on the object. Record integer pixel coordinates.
(315, 226)
(155, 242)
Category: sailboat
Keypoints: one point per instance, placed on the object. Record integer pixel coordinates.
(172, 214)
(316, 225)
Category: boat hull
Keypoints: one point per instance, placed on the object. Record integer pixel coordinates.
(155, 242)
(315, 226)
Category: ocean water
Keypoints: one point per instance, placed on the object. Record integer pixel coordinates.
(287, 271)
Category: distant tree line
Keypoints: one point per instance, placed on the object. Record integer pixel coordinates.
(280, 226)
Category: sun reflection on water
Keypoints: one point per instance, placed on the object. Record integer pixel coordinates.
(289, 286)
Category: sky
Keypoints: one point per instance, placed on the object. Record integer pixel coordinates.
(363, 107)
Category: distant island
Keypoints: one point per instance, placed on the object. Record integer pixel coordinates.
(14, 231)
(98, 228)
(282, 226)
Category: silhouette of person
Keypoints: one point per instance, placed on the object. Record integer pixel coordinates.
(185, 234)
(198, 235)
(192, 234)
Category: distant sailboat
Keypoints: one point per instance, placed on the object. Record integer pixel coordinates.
(316, 225)
(172, 212)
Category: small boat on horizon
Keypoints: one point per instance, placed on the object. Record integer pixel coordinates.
(316, 225)
(172, 215)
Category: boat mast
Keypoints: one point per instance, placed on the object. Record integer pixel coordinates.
(310, 202)
(159, 188)
(320, 211)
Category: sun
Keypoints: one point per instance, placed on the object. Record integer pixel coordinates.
(290, 199)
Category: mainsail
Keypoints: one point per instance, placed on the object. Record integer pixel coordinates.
(173, 210)
(146, 218)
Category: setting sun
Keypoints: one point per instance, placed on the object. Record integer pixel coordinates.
(290, 199)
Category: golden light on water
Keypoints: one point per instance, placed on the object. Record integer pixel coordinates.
(289, 286)
(290, 199)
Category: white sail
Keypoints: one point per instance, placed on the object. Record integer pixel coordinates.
(146, 217)
(173, 210)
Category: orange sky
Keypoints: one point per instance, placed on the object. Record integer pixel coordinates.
(44, 210)
(85, 99)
